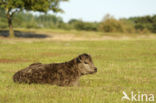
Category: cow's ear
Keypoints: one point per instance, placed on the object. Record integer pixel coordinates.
(35, 64)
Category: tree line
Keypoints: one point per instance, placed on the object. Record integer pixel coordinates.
(23, 19)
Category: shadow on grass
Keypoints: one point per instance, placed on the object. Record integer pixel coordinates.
(19, 34)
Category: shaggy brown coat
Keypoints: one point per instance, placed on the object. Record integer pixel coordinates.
(62, 74)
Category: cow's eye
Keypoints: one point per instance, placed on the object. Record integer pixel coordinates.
(85, 62)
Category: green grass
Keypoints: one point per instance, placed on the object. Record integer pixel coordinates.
(123, 65)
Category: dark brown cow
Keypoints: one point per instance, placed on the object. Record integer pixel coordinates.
(62, 74)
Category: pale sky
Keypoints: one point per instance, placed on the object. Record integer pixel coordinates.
(95, 10)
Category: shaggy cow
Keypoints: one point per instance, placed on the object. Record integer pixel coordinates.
(62, 74)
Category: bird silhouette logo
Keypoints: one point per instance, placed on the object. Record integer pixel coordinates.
(125, 96)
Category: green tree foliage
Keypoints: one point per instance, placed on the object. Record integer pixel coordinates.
(48, 21)
(28, 20)
(154, 24)
(2, 12)
(13, 6)
(3, 20)
(144, 23)
(81, 25)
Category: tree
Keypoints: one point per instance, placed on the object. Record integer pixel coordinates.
(110, 24)
(13, 6)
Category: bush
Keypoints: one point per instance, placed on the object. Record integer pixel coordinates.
(64, 26)
(127, 26)
(145, 23)
(110, 24)
(81, 25)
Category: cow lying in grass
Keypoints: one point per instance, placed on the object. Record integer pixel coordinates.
(62, 74)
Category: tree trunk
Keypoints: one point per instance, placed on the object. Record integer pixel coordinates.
(11, 31)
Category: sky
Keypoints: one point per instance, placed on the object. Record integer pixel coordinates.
(95, 10)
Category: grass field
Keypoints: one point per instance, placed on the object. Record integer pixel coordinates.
(123, 65)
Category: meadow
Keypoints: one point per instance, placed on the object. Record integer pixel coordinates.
(123, 65)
